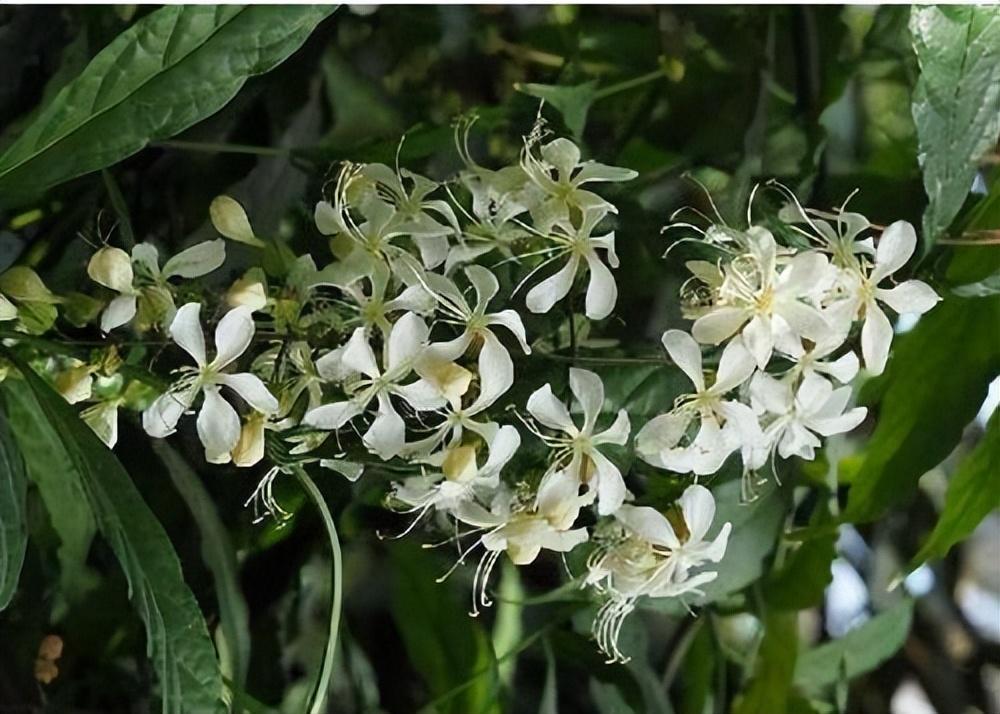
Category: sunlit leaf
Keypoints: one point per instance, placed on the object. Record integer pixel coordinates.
(169, 70)
(860, 650)
(956, 103)
(973, 492)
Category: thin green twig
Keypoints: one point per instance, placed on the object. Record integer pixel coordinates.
(318, 705)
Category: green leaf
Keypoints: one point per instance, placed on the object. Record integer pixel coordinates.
(956, 103)
(973, 492)
(13, 507)
(59, 486)
(935, 384)
(573, 102)
(177, 637)
(860, 650)
(220, 557)
(446, 646)
(800, 582)
(768, 690)
(169, 70)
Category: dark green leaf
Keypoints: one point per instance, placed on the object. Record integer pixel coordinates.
(768, 690)
(169, 70)
(13, 526)
(572, 102)
(860, 650)
(177, 637)
(59, 486)
(220, 557)
(935, 384)
(956, 103)
(446, 646)
(973, 492)
(803, 577)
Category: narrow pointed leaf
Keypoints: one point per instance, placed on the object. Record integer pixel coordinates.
(178, 642)
(13, 527)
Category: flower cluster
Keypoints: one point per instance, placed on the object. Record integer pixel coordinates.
(402, 343)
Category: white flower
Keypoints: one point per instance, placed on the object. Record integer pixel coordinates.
(725, 424)
(374, 309)
(415, 210)
(560, 175)
(913, 296)
(815, 408)
(579, 245)
(496, 370)
(576, 453)
(812, 360)
(113, 268)
(460, 479)
(218, 423)
(498, 198)
(766, 306)
(646, 557)
(403, 347)
(522, 527)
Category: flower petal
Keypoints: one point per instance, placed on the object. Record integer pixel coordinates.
(112, 268)
(506, 441)
(735, 367)
(423, 395)
(496, 372)
(406, 340)
(610, 484)
(602, 291)
(197, 260)
(485, 284)
(185, 329)
(589, 392)
(649, 524)
(895, 247)
(617, 433)
(218, 426)
(843, 369)
(719, 325)
(387, 433)
(757, 338)
(543, 405)
(358, 355)
(913, 296)
(118, 312)
(686, 354)
(233, 335)
(876, 338)
(332, 416)
(252, 390)
(512, 321)
(658, 434)
(161, 417)
(698, 507)
(563, 154)
(554, 288)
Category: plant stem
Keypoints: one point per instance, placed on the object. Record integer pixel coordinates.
(326, 672)
(628, 84)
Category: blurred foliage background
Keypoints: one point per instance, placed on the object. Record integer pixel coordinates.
(826, 99)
